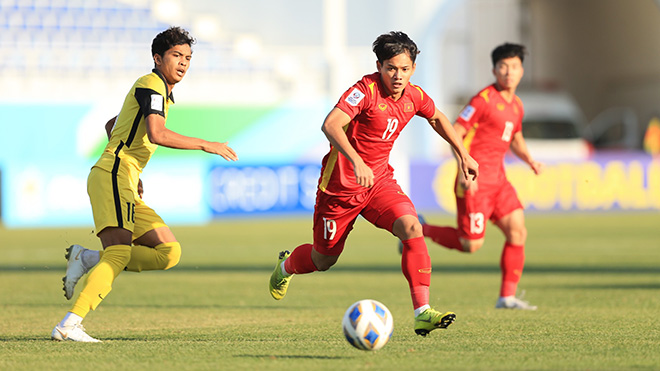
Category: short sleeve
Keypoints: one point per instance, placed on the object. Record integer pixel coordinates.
(472, 112)
(354, 100)
(150, 101)
(426, 104)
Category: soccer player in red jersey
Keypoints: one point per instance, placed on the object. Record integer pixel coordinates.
(489, 125)
(356, 178)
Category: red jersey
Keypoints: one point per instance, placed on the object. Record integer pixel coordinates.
(490, 122)
(376, 121)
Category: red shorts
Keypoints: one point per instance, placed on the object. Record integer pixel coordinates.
(334, 216)
(490, 202)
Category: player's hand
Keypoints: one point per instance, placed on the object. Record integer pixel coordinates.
(221, 149)
(140, 189)
(364, 176)
(537, 167)
(469, 167)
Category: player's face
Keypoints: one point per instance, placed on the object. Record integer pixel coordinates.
(395, 73)
(508, 72)
(174, 63)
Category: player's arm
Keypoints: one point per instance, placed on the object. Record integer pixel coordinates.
(464, 181)
(519, 148)
(109, 125)
(333, 128)
(466, 163)
(159, 134)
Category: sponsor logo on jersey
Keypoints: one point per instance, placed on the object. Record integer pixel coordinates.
(156, 102)
(382, 106)
(467, 113)
(408, 107)
(500, 106)
(355, 97)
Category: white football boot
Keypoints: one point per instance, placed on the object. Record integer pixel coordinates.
(75, 332)
(74, 269)
(512, 302)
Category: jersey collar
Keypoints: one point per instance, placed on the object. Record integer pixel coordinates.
(169, 94)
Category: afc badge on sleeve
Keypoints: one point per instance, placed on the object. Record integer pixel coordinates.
(157, 102)
(467, 113)
(355, 97)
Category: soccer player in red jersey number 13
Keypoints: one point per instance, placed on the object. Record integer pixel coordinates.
(356, 178)
(491, 124)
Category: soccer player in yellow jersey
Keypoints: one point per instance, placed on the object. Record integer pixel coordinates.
(133, 236)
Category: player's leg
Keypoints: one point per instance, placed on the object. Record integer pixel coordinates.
(112, 197)
(331, 227)
(390, 209)
(79, 261)
(445, 236)
(117, 252)
(509, 217)
(155, 247)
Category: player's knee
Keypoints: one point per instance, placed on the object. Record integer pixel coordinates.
(324, 263)
(407, 228)
(471, 246)
(172, 254)
(518, 236)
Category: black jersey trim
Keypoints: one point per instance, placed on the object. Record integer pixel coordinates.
(115, 186)
(143, 98)
(134, 127)
(168, 93)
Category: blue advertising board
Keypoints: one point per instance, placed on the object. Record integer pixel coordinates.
(262, 189)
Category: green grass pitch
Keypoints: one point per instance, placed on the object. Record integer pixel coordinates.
(595, 278)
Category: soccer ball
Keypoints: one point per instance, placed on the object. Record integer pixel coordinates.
(368, 324)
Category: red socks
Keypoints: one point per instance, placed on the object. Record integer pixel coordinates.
(416, 267)
(445, 236)
(300, 260)
(512, 262)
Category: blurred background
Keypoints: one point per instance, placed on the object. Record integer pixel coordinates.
(265, 73)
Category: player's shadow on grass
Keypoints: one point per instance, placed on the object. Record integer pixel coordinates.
(395, 267)
(284, 356)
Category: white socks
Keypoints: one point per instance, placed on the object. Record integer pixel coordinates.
(70, 319)
(284, 272)
(421, 309)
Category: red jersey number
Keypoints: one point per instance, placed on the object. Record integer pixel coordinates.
(508, 130)
(329, 229)
(477, 223)
(392, 124)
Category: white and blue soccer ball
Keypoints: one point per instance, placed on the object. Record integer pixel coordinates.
(368, 324)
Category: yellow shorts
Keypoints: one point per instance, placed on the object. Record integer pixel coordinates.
(115, 202)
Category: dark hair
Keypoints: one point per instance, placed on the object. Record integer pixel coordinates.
(169, 38)
(391, 44)
(508, 50)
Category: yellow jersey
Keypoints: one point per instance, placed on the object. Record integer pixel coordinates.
(129, 144)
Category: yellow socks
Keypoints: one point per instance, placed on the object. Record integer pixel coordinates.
(99, 282)
(161, 257)
(115, 259)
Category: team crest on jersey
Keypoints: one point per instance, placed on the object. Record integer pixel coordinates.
(467, 113)
(500, 107)
(156, 102)
(355, 97)
(408, 107)
(382, 106)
